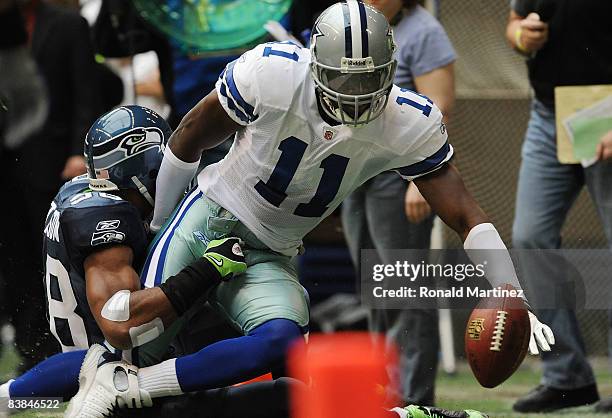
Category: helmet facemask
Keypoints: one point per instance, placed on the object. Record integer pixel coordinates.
(354, 96)
(352, 62)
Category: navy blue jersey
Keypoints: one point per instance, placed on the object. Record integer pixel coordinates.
(79, 223)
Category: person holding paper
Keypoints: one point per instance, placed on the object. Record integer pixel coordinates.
(566, 42)
(604, 149)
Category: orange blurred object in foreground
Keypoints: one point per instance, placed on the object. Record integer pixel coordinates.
(346, 373)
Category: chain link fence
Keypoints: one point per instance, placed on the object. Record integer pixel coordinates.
(487, 128)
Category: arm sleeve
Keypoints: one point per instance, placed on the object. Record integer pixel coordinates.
(484, 246)
(89, 229)
(172, 181)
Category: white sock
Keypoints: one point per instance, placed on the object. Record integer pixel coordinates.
(4, 389)
(160, 380)
(401, 412)
(4, 397)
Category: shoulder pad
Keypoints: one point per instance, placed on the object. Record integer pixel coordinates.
(86, 228)
(261, 79)
(419, 138)
(414, 115)
(89, 199)
(71, 187)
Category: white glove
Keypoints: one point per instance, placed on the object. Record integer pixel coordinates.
(541, 335)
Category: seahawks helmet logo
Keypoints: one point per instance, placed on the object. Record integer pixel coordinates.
(140, 139)
(126, 145)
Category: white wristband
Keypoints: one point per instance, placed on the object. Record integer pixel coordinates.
(173, 178)
(490, 248)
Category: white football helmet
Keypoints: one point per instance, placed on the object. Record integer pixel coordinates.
(352, 62)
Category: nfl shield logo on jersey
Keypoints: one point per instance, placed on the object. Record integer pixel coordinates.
(328, 134)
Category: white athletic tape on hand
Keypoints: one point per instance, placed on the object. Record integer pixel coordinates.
(146, 332)
(117, 308)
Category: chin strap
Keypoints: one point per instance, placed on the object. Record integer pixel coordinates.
(143, 190)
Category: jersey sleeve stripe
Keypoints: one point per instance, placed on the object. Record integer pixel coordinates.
(231, 104)
(429, 164)
(233, 90)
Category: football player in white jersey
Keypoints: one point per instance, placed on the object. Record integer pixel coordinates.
(310, 126)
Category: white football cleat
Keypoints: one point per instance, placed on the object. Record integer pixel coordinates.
(104, 385)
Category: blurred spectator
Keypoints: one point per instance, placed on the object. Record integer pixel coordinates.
(144, 55)
(141, 81)
(109, 93)
(60, 44)
(566, 42)
(387, 213)
(23, 101)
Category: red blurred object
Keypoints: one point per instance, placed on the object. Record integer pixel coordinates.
(497, 338)
(346, 373)
(263, 378)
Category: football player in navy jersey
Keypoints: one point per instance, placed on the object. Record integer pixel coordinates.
(94, 245)
(95, 241)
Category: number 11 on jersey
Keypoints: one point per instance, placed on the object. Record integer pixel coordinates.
(292, 151)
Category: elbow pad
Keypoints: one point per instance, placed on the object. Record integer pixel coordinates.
(117, 309)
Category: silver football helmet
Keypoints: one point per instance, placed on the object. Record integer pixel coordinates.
(352, 62)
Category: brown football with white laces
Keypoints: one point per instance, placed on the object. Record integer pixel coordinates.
(497, 338)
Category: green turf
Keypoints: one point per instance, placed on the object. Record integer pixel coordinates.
(8, 360)
(460, 391)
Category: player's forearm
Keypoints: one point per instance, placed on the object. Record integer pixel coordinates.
(484, 246)
(131, 319)
(172, 180)
(128, 318)
(204, 127)
(179, 166)
(448, 197)
(149, 304)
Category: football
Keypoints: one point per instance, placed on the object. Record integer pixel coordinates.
(497, 337)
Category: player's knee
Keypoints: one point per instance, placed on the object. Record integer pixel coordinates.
(278, 335)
